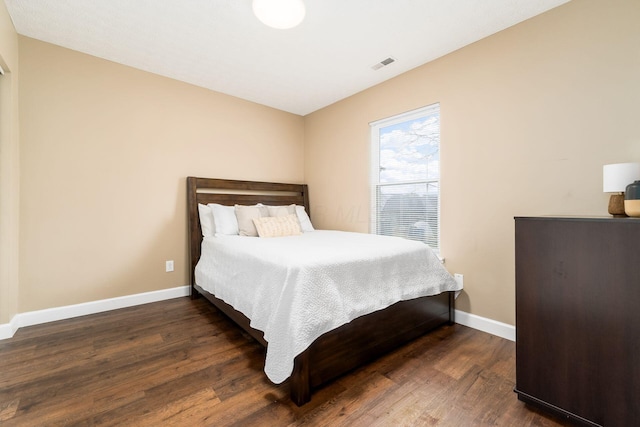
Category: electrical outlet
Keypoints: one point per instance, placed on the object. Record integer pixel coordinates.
(169, 266)
(459, 278)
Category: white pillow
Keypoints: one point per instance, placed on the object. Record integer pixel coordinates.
(224, 219)
(207, 225)
(305, 221)
(277, 226)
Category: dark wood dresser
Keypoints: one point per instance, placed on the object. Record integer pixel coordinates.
(578, 317)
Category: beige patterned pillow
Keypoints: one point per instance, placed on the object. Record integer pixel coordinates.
(277, 226)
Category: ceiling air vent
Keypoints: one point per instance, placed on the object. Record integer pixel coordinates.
(383, 63)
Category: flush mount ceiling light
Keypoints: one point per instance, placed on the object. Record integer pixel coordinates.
(280, 14)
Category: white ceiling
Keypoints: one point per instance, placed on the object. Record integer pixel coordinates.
(220, 45)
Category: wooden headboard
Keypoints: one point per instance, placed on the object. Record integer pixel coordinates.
(231, 192)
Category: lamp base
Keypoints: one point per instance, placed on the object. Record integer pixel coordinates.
(616, 205)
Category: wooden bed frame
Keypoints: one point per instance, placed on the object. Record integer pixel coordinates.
(338, 351)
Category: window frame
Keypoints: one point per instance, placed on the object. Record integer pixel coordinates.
(375, 184)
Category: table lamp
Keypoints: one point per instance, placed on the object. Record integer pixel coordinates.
(615, 178)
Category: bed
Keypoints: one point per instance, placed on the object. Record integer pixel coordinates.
(335, 351)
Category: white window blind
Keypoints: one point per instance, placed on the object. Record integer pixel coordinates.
(405, 176)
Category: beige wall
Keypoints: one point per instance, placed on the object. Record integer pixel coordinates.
(9, 168)
(528, 118)
(105, 150)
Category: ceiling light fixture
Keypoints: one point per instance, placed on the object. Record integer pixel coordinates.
(280, 14)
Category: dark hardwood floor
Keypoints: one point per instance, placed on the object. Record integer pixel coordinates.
(181, 362)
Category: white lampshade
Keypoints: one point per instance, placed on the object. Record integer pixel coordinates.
(616, 177)
(281, 14)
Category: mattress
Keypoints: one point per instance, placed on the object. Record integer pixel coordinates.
(296, 288)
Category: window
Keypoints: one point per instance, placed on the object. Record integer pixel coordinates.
(405, 176)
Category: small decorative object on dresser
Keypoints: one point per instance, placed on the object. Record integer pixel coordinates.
(615, 178)
(632, 199)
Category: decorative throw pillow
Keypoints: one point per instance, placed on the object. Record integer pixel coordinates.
(245, 216)
(277, 226)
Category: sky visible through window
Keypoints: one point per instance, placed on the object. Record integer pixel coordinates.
(409, 151)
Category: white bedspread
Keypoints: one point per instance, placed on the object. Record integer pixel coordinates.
(296, 288)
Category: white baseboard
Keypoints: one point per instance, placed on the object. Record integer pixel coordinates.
(7, 330)
(489, 326)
